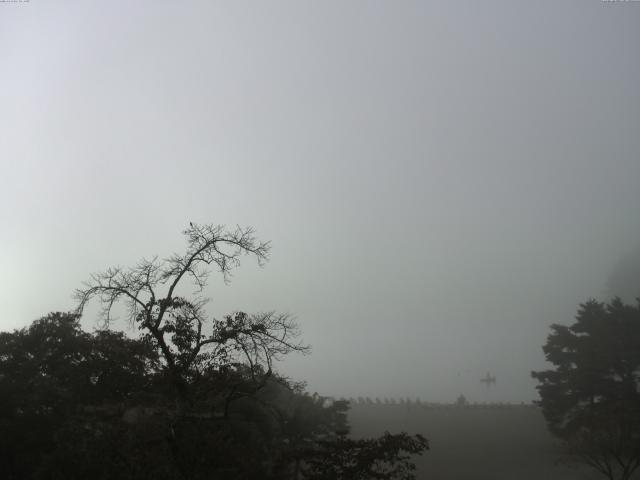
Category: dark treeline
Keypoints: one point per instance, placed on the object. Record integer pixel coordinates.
(188, 398)
(101, 405)
(196, 398)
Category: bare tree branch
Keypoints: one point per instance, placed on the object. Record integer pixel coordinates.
(176, 325)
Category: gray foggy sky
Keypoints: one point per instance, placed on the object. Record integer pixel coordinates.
(440, 180)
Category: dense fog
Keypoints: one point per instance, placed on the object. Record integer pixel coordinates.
(440, 181)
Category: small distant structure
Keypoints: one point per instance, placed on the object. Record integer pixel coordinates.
(462, 401)
(488, 379)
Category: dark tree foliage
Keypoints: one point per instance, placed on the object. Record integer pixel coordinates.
(387, 457)
(191, 398)
(590, 398)
(54, 377)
